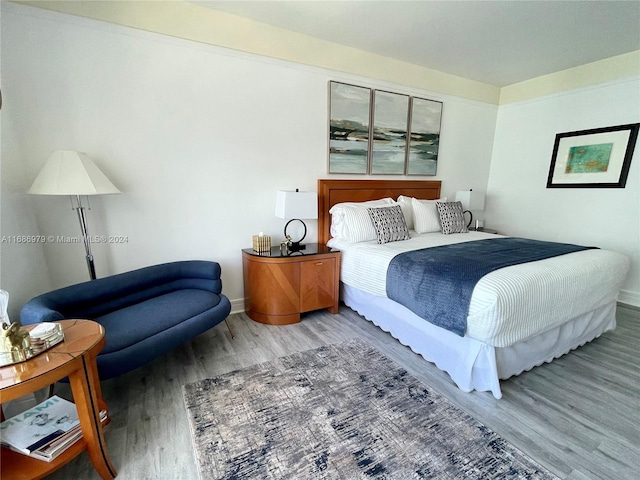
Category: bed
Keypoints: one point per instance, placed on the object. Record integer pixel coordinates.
(519, 316)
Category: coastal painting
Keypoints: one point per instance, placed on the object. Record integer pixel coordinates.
(389, 140)
(424, 136)
(349, 122)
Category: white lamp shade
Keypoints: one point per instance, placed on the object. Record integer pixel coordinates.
(299, 205)
(71, 173)
(471, 200)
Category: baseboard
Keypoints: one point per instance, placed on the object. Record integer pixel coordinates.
(629, 298)
(237, 306)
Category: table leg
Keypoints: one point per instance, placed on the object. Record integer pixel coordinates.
(86, 394)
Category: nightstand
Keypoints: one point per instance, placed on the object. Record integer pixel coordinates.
(483, 229)
(278, 287)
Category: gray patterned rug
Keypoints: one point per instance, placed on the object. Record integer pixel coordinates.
(342, 411)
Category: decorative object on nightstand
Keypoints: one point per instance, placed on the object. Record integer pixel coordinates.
(261, 243)
(296, 206)
(74, 174)
(470, 201)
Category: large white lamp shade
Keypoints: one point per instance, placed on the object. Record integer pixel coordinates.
(71, 173)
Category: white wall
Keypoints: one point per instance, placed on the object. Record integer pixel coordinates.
(518, 201)
(22, 265)
(198, 138)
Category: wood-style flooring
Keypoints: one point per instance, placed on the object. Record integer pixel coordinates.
(578, 416)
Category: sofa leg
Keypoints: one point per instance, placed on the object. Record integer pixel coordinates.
(226, 320)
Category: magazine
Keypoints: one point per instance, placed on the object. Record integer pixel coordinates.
(39, 426)
(57, 446)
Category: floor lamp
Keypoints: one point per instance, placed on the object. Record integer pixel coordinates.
(74, 174)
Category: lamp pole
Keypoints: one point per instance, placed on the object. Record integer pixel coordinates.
(82, 218)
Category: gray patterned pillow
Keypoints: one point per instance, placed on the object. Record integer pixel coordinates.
(452, 217)
(389, 223)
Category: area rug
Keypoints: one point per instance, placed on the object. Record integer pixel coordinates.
(342, 411)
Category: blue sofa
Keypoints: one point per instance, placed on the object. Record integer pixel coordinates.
(145, 313)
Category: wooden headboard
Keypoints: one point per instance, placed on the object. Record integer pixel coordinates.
(331, 192)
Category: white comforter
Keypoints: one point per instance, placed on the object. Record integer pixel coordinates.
(509, 304)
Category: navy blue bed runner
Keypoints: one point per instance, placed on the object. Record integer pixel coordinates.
(436, 283)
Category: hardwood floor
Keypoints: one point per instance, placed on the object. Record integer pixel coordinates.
(578, 416)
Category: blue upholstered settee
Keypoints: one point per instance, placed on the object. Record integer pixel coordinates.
(145, 312)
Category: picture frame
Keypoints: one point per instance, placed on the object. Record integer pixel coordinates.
(349, 128)
(424, 136)
(389, 122)
(595, 158)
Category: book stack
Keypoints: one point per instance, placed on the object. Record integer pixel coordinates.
(45, 335)
(44, 431)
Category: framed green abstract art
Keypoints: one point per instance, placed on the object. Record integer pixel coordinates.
(597, 158)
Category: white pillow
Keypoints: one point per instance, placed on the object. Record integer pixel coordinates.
(350, 221)
(407, 210)
(425, 215)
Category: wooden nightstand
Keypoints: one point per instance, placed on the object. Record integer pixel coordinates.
(278, 287)
(482, 229)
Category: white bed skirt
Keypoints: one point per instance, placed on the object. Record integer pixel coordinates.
(471, 364)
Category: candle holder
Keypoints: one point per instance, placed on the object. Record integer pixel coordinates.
(261, 243)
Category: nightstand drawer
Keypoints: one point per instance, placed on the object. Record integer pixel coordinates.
(317, 281)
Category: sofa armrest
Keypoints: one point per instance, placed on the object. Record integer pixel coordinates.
(37, 311)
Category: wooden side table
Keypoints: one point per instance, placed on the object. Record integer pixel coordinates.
(74, 358)
(278, 287)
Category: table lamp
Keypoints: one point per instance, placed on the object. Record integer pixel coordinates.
(470, 201)
(296, 206)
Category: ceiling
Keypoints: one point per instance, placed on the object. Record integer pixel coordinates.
(494, 42)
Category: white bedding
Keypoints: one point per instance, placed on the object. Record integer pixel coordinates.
(471, 364)
(511, 304)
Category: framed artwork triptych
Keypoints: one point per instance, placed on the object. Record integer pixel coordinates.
(382, 133)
